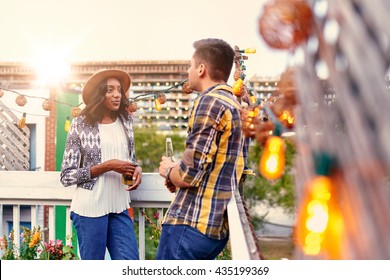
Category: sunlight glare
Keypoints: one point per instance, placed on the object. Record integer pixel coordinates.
(52, 68)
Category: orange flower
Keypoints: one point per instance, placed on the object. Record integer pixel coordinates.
(35, 239)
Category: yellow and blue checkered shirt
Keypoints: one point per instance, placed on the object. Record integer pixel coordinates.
(212, 164)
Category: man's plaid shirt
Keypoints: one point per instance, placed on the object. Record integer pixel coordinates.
(212, 163)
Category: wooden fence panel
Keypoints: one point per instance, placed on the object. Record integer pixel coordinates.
(14, 142)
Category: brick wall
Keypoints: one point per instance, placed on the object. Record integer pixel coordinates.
(50, 137)
(50, 150)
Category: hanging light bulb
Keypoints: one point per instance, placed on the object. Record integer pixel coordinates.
(272, 160)
(132, 107)
(75, 112)
(67, 124)
(186, 88)
(22, 122)
(162, 98)
(247, 116)
(287, 119)
(47, 105)
(315, 215)
(157, 103)
(237, 87)
(320, 228)
(21, 100)
(252, 98)
(237, 74)
(248, 50)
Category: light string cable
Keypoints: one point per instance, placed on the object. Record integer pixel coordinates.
(147, 95)
(40, 97)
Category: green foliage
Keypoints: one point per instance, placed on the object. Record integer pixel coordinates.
(152, 231)
(150, 147)
(226, 253)
(259, 190)
(33, 248)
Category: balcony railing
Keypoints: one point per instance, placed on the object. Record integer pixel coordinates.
(18, 188)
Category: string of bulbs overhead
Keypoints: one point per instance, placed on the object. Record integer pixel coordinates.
(48, 103)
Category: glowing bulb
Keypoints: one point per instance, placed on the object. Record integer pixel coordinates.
(272, 161)
(248, 50)
(315, 217)
(252, 99)
(318, 216)
(288, 118)
(67, 124)
(237, 87)
(157, 103)
(22, 122)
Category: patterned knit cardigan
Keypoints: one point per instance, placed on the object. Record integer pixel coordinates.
(83, 151)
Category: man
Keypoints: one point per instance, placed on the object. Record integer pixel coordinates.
(195, 225)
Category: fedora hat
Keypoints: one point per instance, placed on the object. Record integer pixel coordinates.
(101, 75)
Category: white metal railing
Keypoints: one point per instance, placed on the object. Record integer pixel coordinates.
(34, 188)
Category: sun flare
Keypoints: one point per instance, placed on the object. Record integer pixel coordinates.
(52, 67)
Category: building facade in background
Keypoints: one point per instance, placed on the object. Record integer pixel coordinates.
(148, 77)
(47, 127)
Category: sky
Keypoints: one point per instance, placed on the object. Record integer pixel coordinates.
(66, 31)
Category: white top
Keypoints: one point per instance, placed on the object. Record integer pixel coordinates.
(108, 194)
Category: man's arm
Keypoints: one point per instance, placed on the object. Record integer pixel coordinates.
(174, 174)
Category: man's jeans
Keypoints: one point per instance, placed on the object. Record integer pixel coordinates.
(182, 242)
(112, 231)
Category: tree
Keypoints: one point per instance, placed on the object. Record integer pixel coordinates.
(259, 190)
(150, 147)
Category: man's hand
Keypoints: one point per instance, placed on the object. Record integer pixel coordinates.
(170, 186)
(165, 163)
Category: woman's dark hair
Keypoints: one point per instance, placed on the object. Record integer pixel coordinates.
(93, 112)
(217, 55)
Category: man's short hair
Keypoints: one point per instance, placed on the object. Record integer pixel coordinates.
(217, 55)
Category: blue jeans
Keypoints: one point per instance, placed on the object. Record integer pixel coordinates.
(112, 231)
(182, 242)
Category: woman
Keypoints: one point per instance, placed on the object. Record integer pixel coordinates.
(99, 151)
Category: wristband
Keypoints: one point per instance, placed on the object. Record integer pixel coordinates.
(167, 172)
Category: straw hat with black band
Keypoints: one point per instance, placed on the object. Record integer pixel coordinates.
(101, 75)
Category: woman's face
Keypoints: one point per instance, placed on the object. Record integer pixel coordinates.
(113, 95)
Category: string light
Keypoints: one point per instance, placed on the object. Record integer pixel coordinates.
(132, 107)
(67, 124)
(237, 87)
(159, 96)
(320, 229)
(47, 105)
(272, 160)
(157, 103)
(75, 112)
(248, 50)
(21, 100)
(22, 122)
(287, 119)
